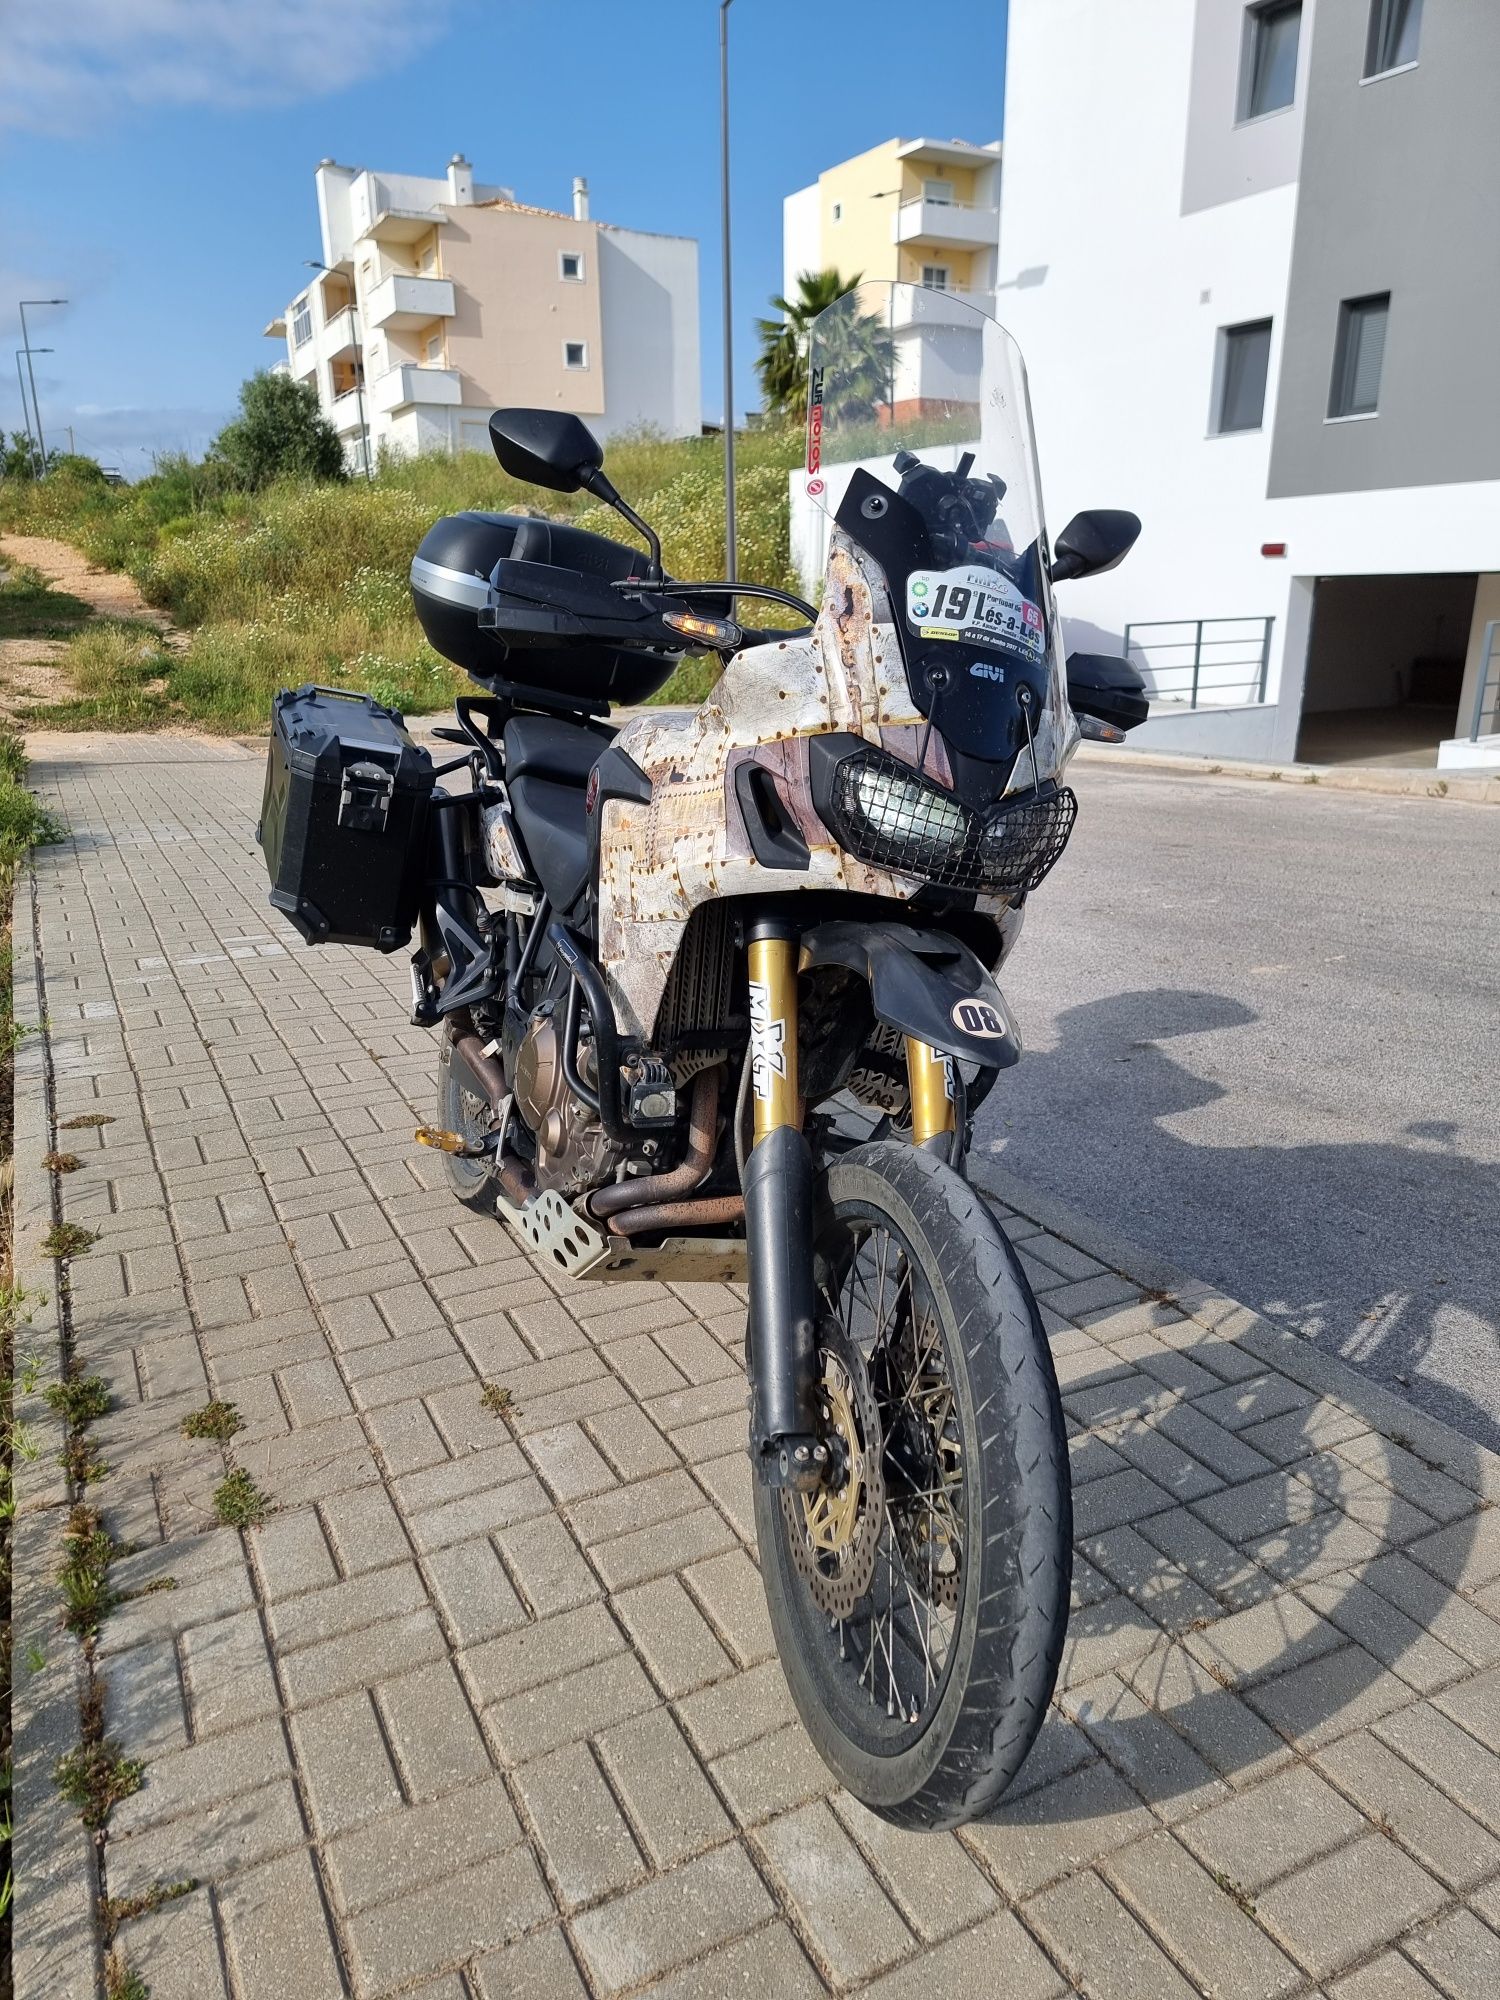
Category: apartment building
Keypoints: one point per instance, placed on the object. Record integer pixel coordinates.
(1250, 253)
(439, 300)
(920, 211)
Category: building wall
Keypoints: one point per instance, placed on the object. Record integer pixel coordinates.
(1400, 192)
(868, 190)
(514, 311)
(648, 287)
(1228, 157)
(801, 237)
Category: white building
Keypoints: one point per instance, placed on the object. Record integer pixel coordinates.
(1251, 255)
(438, 301)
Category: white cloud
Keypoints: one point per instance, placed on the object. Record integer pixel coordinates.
(69, 63)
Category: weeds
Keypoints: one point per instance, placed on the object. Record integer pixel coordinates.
(239, 1502)
(116, 1910)
(215, 1420)
(68, 1239)
(61, 1163)
(78, 1399)
(95, 1777)
(1235, 1889)
(499, 1402)
(121, 1982)
(88, 1551)
(86, 1121)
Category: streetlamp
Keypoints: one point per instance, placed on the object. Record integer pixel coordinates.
(729, 534)
(25, 411)
(26, 348)
(313, 264)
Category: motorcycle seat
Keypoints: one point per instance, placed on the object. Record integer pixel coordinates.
(545, 746)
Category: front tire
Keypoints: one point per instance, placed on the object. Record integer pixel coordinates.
(920, 1607)
(461, 1110)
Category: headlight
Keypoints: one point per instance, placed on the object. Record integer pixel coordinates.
(881, 812)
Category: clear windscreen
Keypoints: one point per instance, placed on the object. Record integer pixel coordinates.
(920, 449)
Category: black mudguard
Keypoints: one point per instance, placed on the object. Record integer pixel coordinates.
(923, 983)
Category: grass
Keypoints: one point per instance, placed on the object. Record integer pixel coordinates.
(121, 1980)
(95, 1777)
(239, 1502)
(116, 1910)
(31, 609)
(498, 1401)
(88, 1550)
(78, 1399)
(309, 583)
(215, 1420)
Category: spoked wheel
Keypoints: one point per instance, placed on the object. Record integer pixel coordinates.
(920, 1596)
(463, 1110)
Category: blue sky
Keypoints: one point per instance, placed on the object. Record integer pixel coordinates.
(156, 157)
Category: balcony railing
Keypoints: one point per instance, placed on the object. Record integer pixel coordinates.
(1485, 720)
(928, 305)
(953, 222)
(1203, 662)
(406, 300)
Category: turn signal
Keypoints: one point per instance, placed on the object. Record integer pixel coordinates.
(716, 632)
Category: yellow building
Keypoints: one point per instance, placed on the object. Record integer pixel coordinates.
(922, 211)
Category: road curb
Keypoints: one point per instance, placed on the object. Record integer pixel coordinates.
(1458, 788)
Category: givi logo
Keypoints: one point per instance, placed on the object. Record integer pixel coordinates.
(978, 1017)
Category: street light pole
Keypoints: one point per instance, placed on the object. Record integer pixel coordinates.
(730, 550)
(36, 406)
(26, 412)
(359, 367)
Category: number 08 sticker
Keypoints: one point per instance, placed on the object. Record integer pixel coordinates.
(974, 607)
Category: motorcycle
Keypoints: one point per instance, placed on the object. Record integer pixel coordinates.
(717, 987)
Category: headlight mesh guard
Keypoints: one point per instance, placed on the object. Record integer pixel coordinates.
(886, 815)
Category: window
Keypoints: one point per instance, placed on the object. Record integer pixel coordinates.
(434, 350)
(1268, 63)
(301, 322)
(938, 191)
(1395, 30)
(575, 354)
(935, 276)
(838, 211)
(570, 266)
(1358, 354)
(1240, 377)
(428, 260)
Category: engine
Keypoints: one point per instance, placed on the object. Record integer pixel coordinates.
(573, 1151)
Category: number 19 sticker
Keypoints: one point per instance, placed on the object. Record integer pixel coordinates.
(974, 606)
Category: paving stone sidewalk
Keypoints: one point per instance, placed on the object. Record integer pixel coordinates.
(489, 1706)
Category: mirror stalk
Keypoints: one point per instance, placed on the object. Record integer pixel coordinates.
(593, 479)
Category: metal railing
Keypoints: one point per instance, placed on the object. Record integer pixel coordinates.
(1202, 662)
(1487, 687)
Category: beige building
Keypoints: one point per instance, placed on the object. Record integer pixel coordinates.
(441, 300)
(921, 211)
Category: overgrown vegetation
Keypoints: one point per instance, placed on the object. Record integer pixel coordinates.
(97, 1775)
(497, 1400)
(68, 1239)
(305, 582)
(121, 1980)
(88, 1550)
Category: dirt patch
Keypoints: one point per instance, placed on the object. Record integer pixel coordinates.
(106, 591)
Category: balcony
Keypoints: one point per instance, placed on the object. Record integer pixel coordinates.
(409, 383)
(403, 301)
(922, 305)
(343, 414)
(340, 335)
(952, 225)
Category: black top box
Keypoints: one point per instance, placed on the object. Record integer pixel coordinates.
(343, 823)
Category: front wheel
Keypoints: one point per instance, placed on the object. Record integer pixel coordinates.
(920, 1597)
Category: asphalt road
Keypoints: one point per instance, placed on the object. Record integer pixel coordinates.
(1263, 1040)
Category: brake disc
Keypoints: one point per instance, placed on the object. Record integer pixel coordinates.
(834, 1532)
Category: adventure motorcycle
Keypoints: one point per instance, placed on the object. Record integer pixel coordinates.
(717, 996)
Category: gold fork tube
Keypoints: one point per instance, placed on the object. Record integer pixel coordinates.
(931, 1091)
(773, 1032)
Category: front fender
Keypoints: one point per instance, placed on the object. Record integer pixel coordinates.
(923, 983)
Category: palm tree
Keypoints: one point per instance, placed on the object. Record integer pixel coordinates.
(782, 361)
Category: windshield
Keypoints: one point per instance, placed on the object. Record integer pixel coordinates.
(919, 449)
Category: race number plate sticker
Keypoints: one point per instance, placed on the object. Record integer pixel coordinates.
(975, 607)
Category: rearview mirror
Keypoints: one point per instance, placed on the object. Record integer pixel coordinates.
(1108, 689)
(545, 448)
(1092, 542)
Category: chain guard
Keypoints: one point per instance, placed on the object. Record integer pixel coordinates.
(833, 1534)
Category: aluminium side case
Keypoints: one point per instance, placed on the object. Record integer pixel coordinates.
(344, 818)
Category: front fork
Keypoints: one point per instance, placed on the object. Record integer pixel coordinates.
(779, 1200)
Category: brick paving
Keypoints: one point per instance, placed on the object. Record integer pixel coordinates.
(489, 1706)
